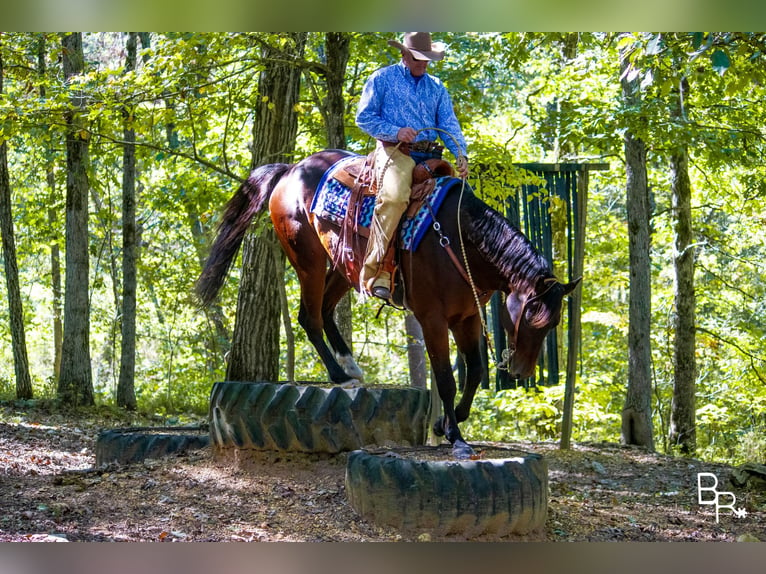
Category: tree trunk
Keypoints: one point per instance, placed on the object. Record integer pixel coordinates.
(15, 307)
(53, 225)
(416, 353)
(683, 433)
(637, 425)
(126, 392)
(255, 345)
(75, 386)
(337, 48)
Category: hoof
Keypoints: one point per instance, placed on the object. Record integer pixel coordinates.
(461, 451)
(349, 366)
(438, 428)
(351, 384)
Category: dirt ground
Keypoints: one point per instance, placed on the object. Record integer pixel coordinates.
(50, 491)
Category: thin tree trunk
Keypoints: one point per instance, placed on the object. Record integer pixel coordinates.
(15, 307)
(126, 392)
(58, 324)
(255, 345)
(75, 386)
(219, 339)
(416, 352)
(53, 225)
(287, 325)
(637, 425)
(683, 433)
(108, 258)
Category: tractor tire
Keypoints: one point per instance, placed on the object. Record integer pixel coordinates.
(135, 444)
(308, 418)
(418, 490)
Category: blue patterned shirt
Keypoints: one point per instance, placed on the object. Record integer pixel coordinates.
(393, 99)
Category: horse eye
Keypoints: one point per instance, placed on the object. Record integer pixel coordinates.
(536, 315)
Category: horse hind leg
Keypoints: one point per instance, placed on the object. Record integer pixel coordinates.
(336, 287)
(313, 327)
(311, 317)
(306, 254)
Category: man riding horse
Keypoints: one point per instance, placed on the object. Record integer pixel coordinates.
(399, 104)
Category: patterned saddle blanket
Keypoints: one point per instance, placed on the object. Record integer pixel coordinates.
(332, 197)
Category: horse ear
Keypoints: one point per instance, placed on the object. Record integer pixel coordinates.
(569, 287)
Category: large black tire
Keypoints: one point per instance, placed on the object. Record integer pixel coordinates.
(315, 419)
(414, 493)
(138, 443)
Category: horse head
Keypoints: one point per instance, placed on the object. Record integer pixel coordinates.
(531, 316)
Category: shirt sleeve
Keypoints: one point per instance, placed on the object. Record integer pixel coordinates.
(447, 121)
(370, 110)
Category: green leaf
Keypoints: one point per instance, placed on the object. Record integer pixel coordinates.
(655, 45)
(647, 80)
(720, 61)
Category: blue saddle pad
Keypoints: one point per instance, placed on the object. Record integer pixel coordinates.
(331, 202)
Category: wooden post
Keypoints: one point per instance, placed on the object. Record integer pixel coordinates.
(575, 308)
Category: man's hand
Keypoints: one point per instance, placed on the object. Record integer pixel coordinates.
(462, 166)
(406, 135)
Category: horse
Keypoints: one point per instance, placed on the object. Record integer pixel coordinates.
(498, 256)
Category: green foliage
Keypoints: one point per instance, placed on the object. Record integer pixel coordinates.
(535, 414)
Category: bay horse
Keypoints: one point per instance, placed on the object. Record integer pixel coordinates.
(498, 256)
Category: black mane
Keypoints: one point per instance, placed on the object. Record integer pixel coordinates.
(502, 244)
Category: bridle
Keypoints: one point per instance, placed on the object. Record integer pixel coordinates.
(510, 351)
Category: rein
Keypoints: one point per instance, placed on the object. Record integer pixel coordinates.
(465, 270)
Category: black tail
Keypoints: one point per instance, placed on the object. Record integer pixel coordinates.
(245, 204)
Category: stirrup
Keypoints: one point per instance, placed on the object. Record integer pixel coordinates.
(381, 292)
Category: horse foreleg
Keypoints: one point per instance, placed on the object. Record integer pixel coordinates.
(437, 345)
(336, 287)
(468, 339)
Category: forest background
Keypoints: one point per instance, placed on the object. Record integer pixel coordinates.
(687, 109)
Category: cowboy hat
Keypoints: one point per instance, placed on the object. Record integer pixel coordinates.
(419, 45)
